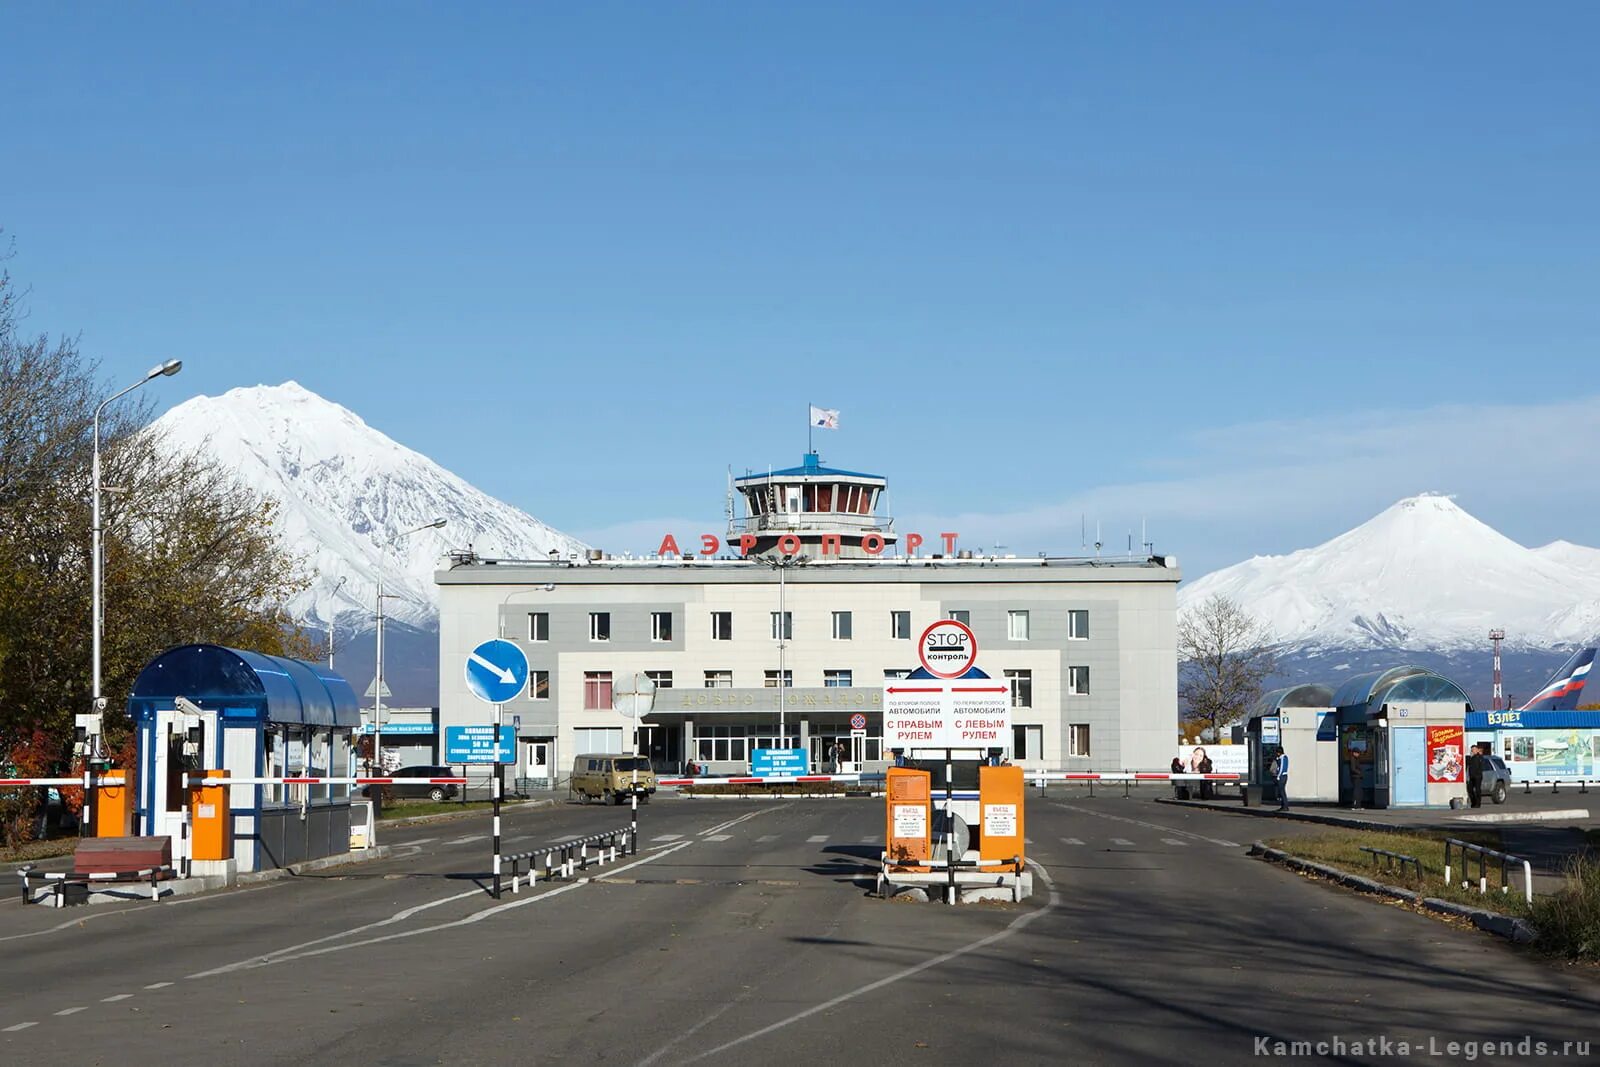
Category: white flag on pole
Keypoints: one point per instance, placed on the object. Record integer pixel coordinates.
(825, 418)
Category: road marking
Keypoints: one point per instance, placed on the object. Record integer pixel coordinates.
(73, 924)
(1072, 840)
(816, 839)
(1174, 841)
(720, 837)
(113, 999)
(158, 985)
(1021, 922)
(765, 838)
(18, 1026)
(735, 822)
(71, 1011)
(469, 839)
(1150, 826)
(422, 841)
(667, 837)
(476, 917)
(1027, 840)
(1120, 841)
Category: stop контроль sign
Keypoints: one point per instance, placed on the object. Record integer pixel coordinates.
(947, 649)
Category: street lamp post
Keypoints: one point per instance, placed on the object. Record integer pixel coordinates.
(94, 723)
(331, 617)
(377, 682)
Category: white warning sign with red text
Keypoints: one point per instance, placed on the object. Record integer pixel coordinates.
(936, 713)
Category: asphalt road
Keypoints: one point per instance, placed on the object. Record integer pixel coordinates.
(744, 931)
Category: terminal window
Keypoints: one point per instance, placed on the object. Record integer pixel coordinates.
(597, 690)
(1078, 681)
(891, 673)
(842, 625)
(661, 626)
(783, 626)
(663, 679)
(538, 626)
(1078, 739)
(722, 626)
(719, 679)
(772, 679)
(599, 625)
(1021, 683)
(900, 625)
(1078, 625)
(538, 685)
(837, 679)
(1027, 742)
(722, 742)
(1016, 626)
(961, 615)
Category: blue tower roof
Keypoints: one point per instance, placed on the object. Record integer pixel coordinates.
(810, 467)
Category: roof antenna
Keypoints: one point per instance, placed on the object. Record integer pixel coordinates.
(1097, 538)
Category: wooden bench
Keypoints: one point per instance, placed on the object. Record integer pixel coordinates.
(99, 862)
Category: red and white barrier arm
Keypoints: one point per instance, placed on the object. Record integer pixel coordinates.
(113, 779)
(1129, 776)
(753, 780)
(200, 779)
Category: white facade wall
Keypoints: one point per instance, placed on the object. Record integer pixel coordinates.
(1131, 652)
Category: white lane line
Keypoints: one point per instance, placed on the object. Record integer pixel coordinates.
(421, 841)
(764, 838)
(1027, 840)
(1016, 925)
(667, 837)
(1151, 826)
(399, 916)
(116, 997)
(735, 822)
(202, 898)
(158, 985)
(18, 1026)
(816, 839)
(469, 839)
(720, 837)
(470, 919)
(1174, 841)
(71, 1011)
(1120, 841)
(1072, 840)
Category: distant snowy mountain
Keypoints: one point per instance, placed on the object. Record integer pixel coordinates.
(1423, 574)
(345, 491)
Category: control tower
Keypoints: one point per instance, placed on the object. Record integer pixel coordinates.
(812, 503)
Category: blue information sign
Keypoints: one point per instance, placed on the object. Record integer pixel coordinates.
(475, 744)
(777, 762)
(497, 671)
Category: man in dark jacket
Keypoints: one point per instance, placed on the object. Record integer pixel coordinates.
(1475, 764)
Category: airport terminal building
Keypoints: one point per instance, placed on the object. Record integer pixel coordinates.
(814, 599)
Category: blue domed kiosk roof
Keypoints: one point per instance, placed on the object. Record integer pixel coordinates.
(1309, 695)
(1377, 688)
(245, 685)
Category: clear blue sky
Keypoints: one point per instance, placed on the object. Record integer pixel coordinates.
(1252, 271)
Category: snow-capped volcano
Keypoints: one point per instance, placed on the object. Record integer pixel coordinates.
(345, 491)
(1423, 574)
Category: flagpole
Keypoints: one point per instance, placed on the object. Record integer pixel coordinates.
(809, 429)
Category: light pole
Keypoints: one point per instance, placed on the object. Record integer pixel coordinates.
(547, 587)
(331, 616)
(377, 681)
(95, 722)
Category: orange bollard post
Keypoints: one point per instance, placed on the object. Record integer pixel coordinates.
(211, 820)
(909, 834)
(1000, 795)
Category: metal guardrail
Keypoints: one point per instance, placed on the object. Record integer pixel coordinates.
(1393, 860)
(1466, 849)
(1555, 784)
(58, 881)
(574, 856)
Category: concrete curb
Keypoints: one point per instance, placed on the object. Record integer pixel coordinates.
(1509, 927)
(506, 808)
(1524, 816)
(1291, 815)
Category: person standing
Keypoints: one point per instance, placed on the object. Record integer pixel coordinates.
(1280, 774)
(1475, 764)
(1205, 766)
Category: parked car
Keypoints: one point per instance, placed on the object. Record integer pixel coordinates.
(1496, 779)
(430, 790)
(612, 778)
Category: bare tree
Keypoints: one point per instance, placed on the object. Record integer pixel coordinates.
(1225, 654)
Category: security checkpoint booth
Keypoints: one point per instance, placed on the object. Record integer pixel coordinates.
(1402, 739)
(1301, 720)
(234, 713)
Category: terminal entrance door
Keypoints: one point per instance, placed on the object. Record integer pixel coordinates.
(822, 751)
(1410, 784)
(539, 764)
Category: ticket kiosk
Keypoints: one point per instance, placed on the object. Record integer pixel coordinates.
(199, 708)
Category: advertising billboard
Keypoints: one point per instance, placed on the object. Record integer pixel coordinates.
(1447, 759)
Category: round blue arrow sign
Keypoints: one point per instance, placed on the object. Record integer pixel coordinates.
(497, 671)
